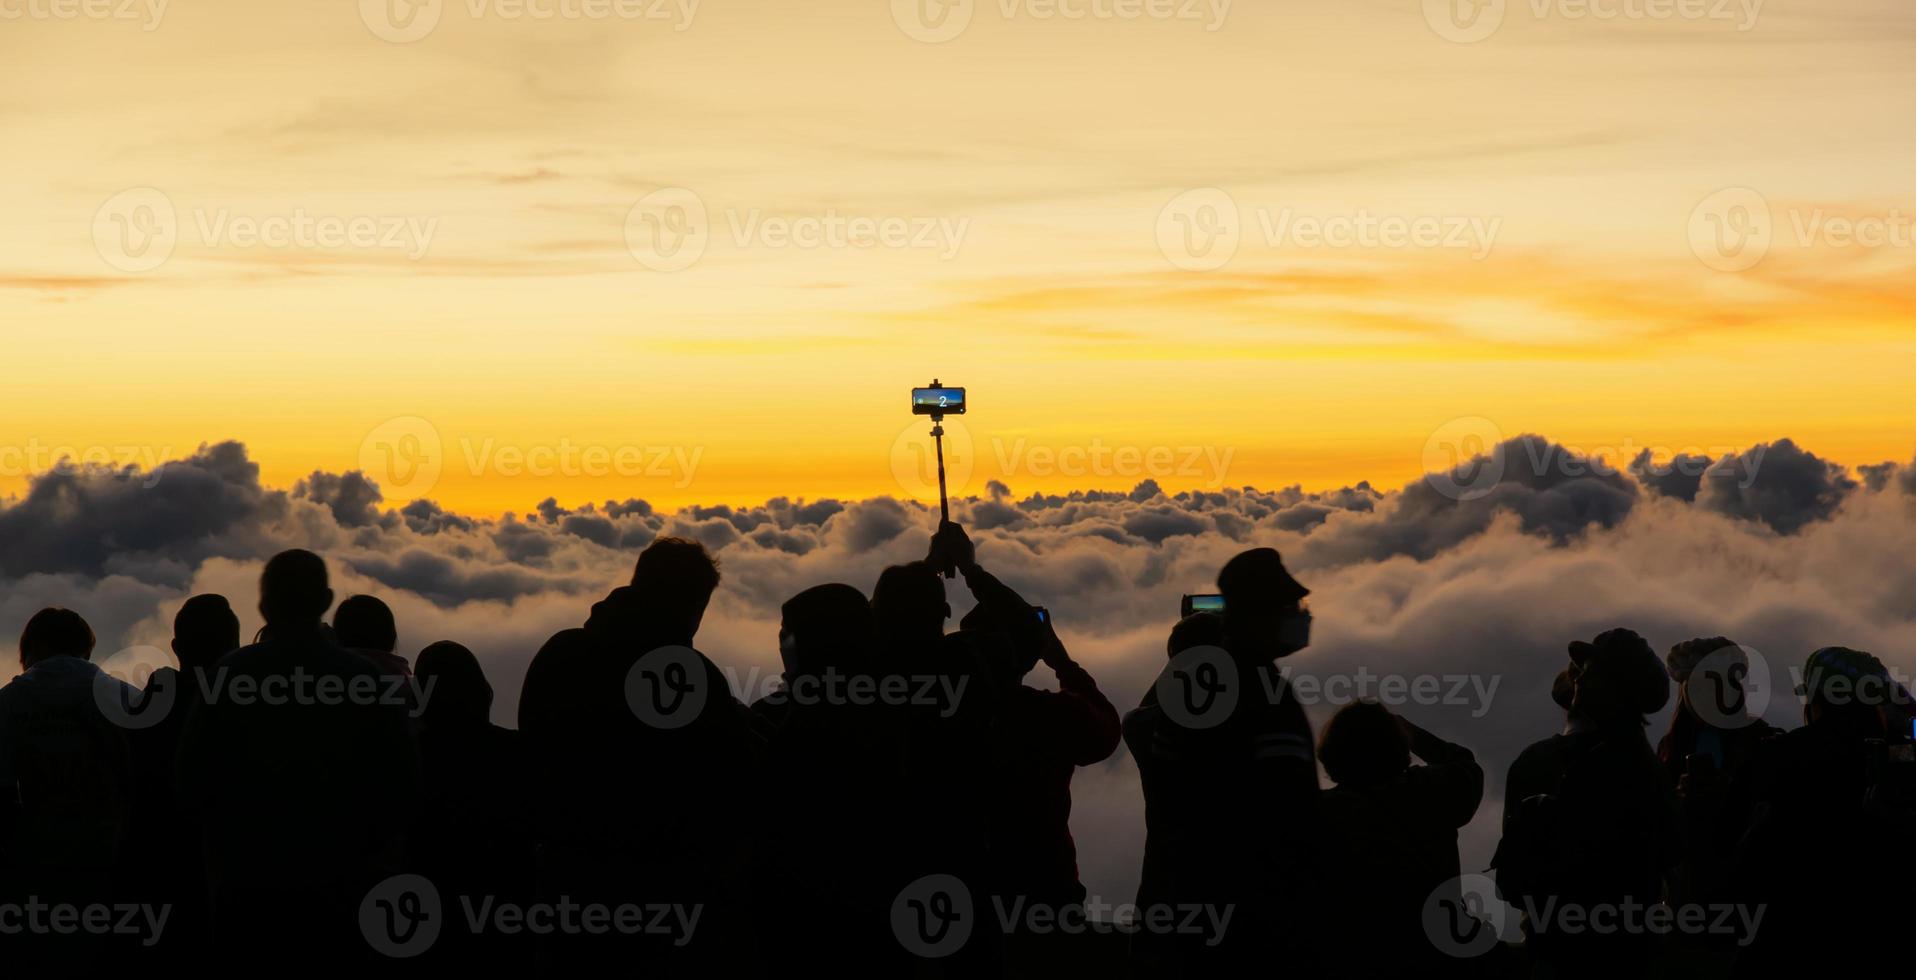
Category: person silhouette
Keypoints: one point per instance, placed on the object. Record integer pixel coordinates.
(365, 625)
(1039, 737)
(1230, 777)
(473, 837)
(1151, 746)
(66, 790)
(329, 782)
(1819, 821)
(1392, 837)
(1589, 824)
(1710, 741)
(165, 863)
(949, 714)
(834, 761)
(641, 755)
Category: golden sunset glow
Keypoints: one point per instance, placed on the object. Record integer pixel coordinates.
(461, 232)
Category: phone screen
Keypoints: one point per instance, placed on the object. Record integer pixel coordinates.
(938, 401)
(1203, 603)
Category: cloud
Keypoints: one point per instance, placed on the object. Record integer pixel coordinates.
(1775, 483)
(1782, 551)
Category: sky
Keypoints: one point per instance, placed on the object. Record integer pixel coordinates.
(490, 252)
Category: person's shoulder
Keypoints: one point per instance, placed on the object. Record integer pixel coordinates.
(1141, 720)
(563, 644)
(1544, 750)
(247, 657)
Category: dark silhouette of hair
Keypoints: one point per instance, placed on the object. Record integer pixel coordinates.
(1363, 745)
(204, 630)
(460, 693)
(1200, 629)
(55, 632)
(293, 590)
(827, 627)
(363, 622)
(909, 603)
(671, 586)
(1618, 676)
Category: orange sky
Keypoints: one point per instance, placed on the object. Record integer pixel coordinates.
(700, 256)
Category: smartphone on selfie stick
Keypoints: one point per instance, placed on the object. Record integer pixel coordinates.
(939, 401)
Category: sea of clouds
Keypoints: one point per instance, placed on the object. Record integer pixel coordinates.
(1452, 597)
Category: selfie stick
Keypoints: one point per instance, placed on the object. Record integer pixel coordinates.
(938, 440)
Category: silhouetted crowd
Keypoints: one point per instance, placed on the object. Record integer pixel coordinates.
(313, 802)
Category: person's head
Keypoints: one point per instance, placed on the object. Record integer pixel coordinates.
(293, 591)
(1683, 660)
(362, 622)
(1200, 629)
(1265, 613)
(456, 690)
(1617, 677)
(204, 630)
(1363, 745)
(909, 603)
(55, 632)
(1025, 636)
(826, 628)
(672, 584)
(1847, 688)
